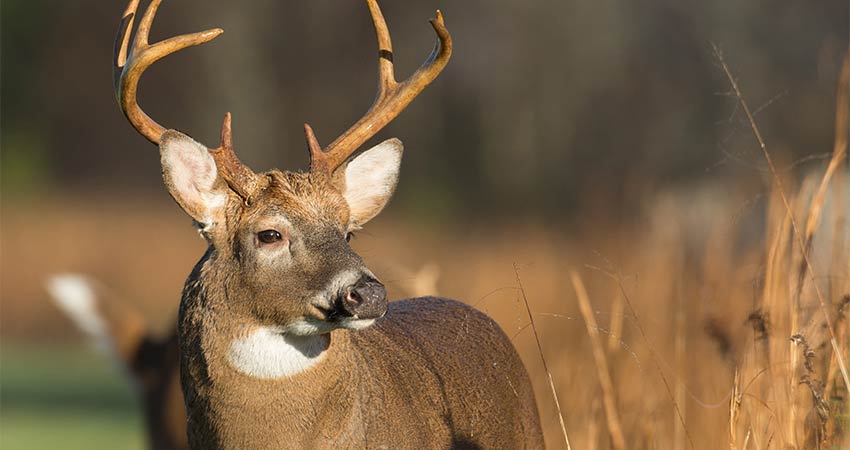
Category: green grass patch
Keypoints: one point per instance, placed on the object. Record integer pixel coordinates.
(65, 397)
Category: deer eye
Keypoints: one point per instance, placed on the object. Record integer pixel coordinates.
(269, 236)
(349, 236)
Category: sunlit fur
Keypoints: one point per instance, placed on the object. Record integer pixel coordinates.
(265, 365)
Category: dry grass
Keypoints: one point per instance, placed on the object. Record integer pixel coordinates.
(814, 428)
(543, 359)
(615, 431)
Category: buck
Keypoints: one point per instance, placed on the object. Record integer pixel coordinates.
(286, 337)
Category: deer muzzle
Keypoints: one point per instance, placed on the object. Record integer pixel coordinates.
(366, 299)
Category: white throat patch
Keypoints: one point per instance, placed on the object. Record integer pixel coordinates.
(268, 353)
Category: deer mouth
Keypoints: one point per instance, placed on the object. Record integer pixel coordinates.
(331, 313)
(335, 312)
(337, 316)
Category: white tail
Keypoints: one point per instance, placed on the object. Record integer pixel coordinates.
(75, 296)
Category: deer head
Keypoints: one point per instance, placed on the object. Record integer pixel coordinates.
(277, 240)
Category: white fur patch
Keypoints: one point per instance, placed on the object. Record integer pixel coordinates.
(312, 327)
(350, 323)
(308, 326)
(75, 295)
(269, 353)
(370, 180)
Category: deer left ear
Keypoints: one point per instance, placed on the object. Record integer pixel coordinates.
(370, 180)
(192, 178)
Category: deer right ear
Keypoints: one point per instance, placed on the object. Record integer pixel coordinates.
(370, 180)
(191, 176)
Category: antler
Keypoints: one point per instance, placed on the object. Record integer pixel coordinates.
(129, 64)
(238, 176)
(392, 96)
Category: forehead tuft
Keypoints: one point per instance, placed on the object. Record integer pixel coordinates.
(302, 197)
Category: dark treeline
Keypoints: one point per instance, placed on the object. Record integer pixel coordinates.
(545, 104)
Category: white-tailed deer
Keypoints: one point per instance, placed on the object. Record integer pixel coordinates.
(286, 337)
(151, 361)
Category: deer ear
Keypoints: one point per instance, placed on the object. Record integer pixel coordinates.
(370, 180)
(191, 176)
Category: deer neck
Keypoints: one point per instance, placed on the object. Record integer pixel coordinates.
(238, 347)
(239, 369)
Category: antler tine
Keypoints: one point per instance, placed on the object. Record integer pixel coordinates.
(145, 24)
(392, 96)
(129, 64)
(386, 72)
(238, 176)
(312, 143)
(122, 41)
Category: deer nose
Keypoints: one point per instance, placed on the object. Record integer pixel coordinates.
(366, 299)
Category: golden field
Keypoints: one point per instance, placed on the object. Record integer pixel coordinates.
(708, 319)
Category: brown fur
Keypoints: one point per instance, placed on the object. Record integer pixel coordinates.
(432, 373)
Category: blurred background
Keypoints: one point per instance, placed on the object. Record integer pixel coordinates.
(599, 136)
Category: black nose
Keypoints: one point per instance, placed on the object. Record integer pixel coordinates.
(366, 299)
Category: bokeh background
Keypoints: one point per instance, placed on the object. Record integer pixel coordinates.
(599, 136)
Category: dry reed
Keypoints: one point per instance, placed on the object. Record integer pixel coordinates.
(840, 150)
(615, 431)
(542, 357)
(790, 342)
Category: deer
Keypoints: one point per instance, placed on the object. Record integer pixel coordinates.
(286, 338)
(150, 360)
